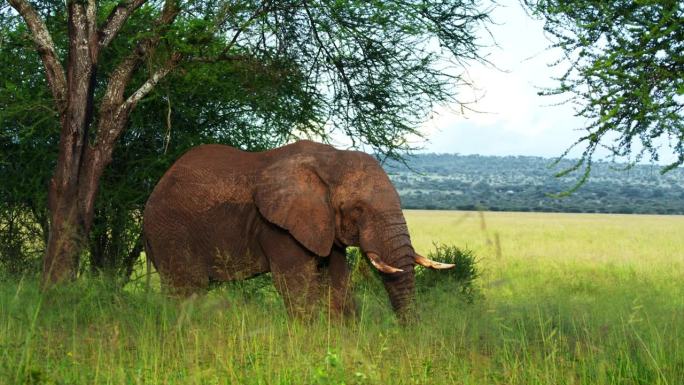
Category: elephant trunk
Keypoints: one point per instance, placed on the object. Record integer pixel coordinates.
(400, 286)
(389, 249)
(401, 290)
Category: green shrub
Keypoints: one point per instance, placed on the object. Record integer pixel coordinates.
(462, 276)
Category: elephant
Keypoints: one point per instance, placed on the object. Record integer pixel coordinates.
(222, 214)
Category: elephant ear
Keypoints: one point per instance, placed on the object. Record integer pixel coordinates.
(292, 195)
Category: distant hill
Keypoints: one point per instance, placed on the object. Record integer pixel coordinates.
(523, 183)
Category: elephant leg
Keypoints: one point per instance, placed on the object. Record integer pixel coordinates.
(295, 273)
(186, 281)
(341, 298)
(181, 275)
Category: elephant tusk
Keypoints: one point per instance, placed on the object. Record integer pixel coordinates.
(382, 266)
(429, 263)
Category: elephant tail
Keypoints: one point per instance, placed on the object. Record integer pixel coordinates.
(148, 262)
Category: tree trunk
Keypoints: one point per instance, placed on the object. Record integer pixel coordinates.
(64, 243)
(70, 218)
(75, 181)
(72, 204)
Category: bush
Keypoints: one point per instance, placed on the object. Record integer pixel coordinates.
(462, 276)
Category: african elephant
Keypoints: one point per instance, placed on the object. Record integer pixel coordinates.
(223, 214)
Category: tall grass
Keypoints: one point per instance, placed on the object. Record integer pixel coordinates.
(563, 299)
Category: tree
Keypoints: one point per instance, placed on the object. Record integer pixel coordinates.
(625, 74)
(28, 144)
(369, 69)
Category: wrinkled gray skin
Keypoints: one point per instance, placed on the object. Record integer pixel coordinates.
(223, 214)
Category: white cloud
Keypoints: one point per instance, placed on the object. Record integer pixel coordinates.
(514, 119)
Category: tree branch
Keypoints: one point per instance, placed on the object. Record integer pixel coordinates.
(122, 74)
(116, 19)
(335, 62)
(114, 109)
(263, 9)
(91, 20)
(156, 77)
(46, 49)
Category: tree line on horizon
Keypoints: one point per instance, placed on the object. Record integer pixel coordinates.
(527, 183)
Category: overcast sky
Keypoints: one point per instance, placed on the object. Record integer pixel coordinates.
(515, 120)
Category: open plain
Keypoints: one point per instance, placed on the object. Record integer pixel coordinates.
(561, 299)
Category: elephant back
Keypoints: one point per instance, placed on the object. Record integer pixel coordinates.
(203, 177)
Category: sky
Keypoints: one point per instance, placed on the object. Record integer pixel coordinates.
(514, 120)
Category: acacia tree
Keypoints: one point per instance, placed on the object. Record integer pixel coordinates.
(199, 104)
(625, 75)
(370, 69)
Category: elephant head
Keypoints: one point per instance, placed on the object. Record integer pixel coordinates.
(329, 197)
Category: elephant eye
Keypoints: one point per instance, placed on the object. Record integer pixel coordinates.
(352, 210)
(357, 210)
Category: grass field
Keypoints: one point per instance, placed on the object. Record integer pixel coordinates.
(563, 299)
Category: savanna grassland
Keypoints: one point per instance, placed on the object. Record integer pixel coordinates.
(562, 299)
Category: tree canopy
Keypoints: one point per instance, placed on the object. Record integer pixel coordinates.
(625, 74)
(98, 97)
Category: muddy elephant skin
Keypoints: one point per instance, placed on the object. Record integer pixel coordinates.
(223, 214)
